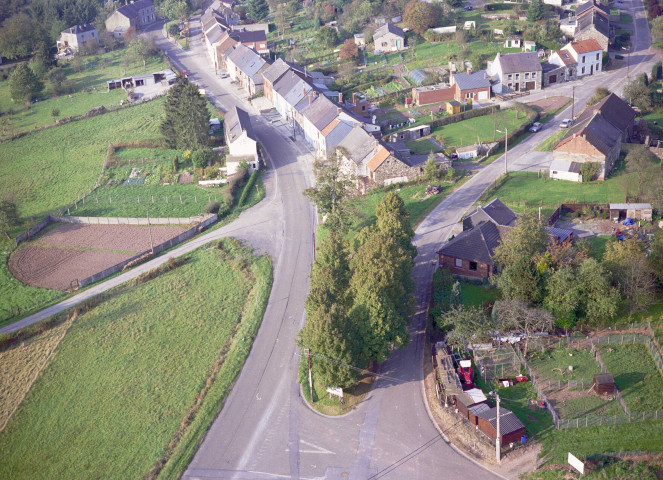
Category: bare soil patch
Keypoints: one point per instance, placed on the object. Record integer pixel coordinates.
(119, 238)
(550, 103)
(72, 252)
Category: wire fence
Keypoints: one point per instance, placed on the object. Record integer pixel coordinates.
(498, 364)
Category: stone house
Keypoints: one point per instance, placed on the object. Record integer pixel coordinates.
(254, 39)
(515, 72)
(242, 142)
(135, 15)
(596, 137)
(561, 67)
(313, 114)
(271, 75)
(388, 38)
(73, 38)
(471, 86)
(410, 134)
(595, 26)
(221, 51)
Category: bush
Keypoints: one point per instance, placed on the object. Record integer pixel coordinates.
(247, 189)
(200, 158)
(212, 207)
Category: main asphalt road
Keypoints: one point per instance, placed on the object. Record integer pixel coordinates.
(265, 430)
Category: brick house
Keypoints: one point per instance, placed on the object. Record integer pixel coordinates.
(595, 26)
(515, 72)
(471, 86)
(76, 37)
(596, 137)
(433, 94)
(388, 38)
(246, 66)
(135, 15)
(272, 75)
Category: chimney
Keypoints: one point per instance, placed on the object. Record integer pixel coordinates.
(310, 98)
(340, 98)
(469, 71)
(338, 110)
(354, 98)
(304, 91)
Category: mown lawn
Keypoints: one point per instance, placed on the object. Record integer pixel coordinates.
(589, 405)
(636, 376)
(526, 191)
(584, 365)
(477, 295)
(129, 370)
(422, 146)
(598, 244)
(90, 91)
(479, 129)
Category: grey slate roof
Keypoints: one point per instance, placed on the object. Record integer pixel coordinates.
(478, 79)
(237, 121)
(592, 3)
(596, 130)
(630, 206)
(291, 88)
(476, 244)
(508, 421)
(388, 28)
(520, 62)
(76, 29)
(560, 234)
(338, 133)
(248, 36)
(318, 109)
(614, 110)
(495, 211)
(131, 10)
(246, 60)
(214, 34)
(275, 71)
(359, 145)
(600, 23)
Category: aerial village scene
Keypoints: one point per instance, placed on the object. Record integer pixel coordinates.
(331, 239)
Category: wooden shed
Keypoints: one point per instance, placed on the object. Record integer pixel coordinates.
(511, 429)
(453, 107)
(468, 399)
(604, 384)
(636, 211)
(474, 410)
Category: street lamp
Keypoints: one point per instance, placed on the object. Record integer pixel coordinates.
(506, 145)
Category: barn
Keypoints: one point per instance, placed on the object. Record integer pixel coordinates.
(511, 429)
(636, 211)
(604, 384)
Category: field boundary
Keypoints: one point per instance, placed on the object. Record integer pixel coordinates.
(157, 249)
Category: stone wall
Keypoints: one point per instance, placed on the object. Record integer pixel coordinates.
(393, 170)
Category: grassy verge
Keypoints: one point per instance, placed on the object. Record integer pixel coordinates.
(332, 406)
(551, 142)
(117, 400)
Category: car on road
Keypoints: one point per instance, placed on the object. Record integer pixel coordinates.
(566, 123)
(185, 73)
(536, 126)
(468, 8)
(223, 75)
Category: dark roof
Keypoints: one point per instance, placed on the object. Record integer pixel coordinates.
(319, 110)
(560, 234)
(388, 28)
(596, 130)
(275, 71)
(247, 61)
(358, 144)
(478, 79)
(604, 378)
(76, 29)
(476, 244)
(614, 110)
(249, 36)
(509, 423)
(131, 10)
(520, 62)
(592, 4)
(237, 121)
(600, 23)
(494, 211)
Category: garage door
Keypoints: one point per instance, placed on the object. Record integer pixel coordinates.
(530, 85)
(483, 95)
(552, 79)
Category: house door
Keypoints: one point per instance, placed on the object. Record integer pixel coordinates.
(591, 69)
(421, 132)
(515, 87)
(530, 85)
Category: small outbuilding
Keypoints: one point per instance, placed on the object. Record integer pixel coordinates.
(471, 151)
(511, 428)
(604, 384)
(453, 107)
(636, 211)
(468, 399)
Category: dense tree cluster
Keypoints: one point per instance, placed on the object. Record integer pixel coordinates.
(360, 297)
(186, 125)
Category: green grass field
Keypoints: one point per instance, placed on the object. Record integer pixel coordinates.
(483, 129)
(636, 376)
(598, 244)
(477, 295)
(589, 405)
(130, 369)
(584, 365)
(49, 169)
(422, 146)
(551, 142)
(526, 191)
(537, 421)
(90, 91)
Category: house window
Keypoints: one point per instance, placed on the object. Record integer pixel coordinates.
(583, 59)
(583, 70)
(510, 77)
(533, 74)
(473, 266)
(597, 55)
(510, 85)
(517, 76)
(459, 263)
(527, 75)
(598, 67)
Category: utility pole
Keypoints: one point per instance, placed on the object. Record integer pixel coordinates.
(497, 439)
(573, 103)
(149, 227)
(310, 378)
(506, 148)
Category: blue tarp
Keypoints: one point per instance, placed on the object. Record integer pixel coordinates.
(629, 221)
(620, 238)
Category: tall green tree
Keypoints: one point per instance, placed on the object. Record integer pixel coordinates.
(334, 345)
(527, 239)
(521, 281)
(186, 125)
(431, 172)
(257, 9)
(599, 300)
(24, 85)
(535, 11)
(331, 185)
(465, 325)
(563, 296)
(326, 36)
(628, 264)
(420, 16)
(393, 219)
(638, 94)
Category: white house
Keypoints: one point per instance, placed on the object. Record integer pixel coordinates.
(76, 37)
(587, 54)
(471, 151)
(242, 142)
